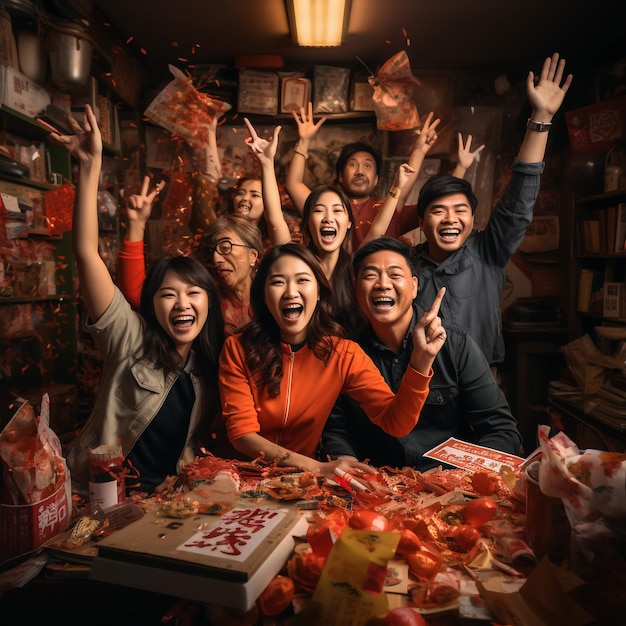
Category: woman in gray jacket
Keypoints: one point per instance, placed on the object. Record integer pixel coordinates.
(160, 363)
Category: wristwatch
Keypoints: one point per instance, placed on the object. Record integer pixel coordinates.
(542, 127)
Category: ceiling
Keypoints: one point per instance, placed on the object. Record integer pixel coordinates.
(451, 34)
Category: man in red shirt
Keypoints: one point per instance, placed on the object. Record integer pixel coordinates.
(357, 170)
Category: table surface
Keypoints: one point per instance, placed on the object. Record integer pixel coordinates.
(73, 598)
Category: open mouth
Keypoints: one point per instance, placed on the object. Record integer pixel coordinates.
(328, 234)
(244, 207)
(293, 311)
(383, 303)
(449, 234)
(183, 321)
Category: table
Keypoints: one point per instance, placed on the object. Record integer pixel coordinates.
(80, 601)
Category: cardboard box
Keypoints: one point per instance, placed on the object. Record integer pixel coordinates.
(22, 94)
(227, 560)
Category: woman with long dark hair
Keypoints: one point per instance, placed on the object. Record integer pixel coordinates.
(279, 378)
(160, 364)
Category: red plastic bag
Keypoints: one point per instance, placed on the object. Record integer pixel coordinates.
(393, 95)
(35, 503)
(185, 111)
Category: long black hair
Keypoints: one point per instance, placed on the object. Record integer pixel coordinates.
(159, 347)
(345, 306)
(261, 337)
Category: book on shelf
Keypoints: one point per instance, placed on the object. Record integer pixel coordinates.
(620, 227)
(603, 231)
(590, 283)
(591, 236)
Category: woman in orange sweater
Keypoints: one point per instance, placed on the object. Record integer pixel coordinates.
(279, 378)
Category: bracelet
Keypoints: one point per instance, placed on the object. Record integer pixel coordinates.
(394, 192)
(304, 154)
(541, 127)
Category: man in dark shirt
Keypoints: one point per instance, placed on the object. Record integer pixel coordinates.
(464, 400)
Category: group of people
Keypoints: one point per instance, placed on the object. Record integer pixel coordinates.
(352, 350)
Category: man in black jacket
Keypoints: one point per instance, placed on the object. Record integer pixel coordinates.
(464, 401)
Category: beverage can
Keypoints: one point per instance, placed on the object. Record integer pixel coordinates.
(107, 486)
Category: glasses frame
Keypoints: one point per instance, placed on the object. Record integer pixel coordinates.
(213, 249)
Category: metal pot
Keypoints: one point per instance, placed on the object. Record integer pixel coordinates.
(70, 50)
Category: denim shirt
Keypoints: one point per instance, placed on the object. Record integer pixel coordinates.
(474, 275)
(464, 401)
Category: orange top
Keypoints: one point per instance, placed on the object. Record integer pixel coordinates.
(308, 390)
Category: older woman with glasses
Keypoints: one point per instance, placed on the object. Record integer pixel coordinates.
(231, 248)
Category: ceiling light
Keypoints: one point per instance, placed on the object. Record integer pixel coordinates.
(318, 23)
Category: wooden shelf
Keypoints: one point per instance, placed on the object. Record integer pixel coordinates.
(584, 429)
(27, 299)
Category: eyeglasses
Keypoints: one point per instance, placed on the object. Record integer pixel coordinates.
(224, 247)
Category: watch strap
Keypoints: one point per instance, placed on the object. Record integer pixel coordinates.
(541, 127)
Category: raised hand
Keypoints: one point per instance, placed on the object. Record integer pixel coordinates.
(139, 205)
(307, 128)
(86, 143)
(403, 174)
(264, 149)
(465, 156)
(547, 95)
(426, 136)
(428, 336)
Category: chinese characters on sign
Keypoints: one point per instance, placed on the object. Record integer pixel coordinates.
(238, 535)
(472, 457)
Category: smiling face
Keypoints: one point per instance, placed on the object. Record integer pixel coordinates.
(233, 270)
(359, 176)
(291, 295)
(447, 223)
(385, 290)
(181, 310)
(248, 200)
(328, 223)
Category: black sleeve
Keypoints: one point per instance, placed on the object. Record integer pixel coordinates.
(484, 404)
(337, 438)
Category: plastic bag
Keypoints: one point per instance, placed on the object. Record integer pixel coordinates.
(330, 89)
(35, 504)
(393, 95)
(184, 111)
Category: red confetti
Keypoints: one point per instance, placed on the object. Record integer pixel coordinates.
(387, 40)
(183, 59)
(404, 31)
(143, 51)
(408, 42)
(129, 39)
(174, 44)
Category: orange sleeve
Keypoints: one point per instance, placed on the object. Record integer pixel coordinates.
(131, 271)
(396, 414)
(236, 392)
